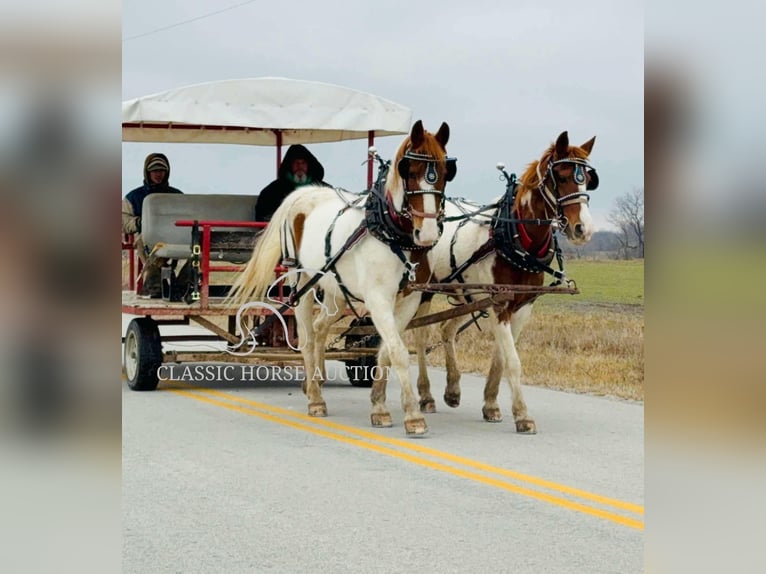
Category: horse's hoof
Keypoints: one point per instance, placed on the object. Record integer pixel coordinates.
(526, 426)
(427, 406)
(493, 415)
(452, 399)
(415, 427)
(381, 420)
(317, 410)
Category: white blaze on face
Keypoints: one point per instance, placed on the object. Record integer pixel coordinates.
(429, 231)
(587, 223)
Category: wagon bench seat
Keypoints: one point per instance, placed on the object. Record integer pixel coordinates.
(162, 210)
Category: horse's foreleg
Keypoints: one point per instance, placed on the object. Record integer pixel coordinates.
(506, 348)
(452, 391)
(380, 416)
(304, 317)
(420, 337)
(491, 409)
(389, 325)
(524, 423)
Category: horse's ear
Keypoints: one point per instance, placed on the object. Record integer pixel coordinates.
(588, 145)
(417, 135)
(442, 136)
(562, 145)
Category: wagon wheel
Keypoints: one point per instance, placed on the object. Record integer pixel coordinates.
(143, 354)
(361, 377)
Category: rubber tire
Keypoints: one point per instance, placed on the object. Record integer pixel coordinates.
(368, 361)
(143, 354)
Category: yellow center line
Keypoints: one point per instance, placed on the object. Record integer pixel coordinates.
(628, 506)
(562, 502)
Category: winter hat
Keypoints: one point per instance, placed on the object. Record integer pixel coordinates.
(158, 163)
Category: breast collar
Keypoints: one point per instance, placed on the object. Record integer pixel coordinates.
(512, 242)
(385, 223)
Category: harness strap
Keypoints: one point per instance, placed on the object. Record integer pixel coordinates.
(526, 241)
(525, 261)
(328, 266)
(452, 242)
(292, 299)
(352, 240)
(409, 268)
(465, 215)
(486, 249)
(192, 293)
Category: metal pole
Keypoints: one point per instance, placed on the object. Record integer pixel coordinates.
(370, 143)
(279, 149)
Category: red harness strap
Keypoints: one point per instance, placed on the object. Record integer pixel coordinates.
(402, 223)
(526, 240)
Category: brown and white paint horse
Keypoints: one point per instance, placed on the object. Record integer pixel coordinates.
(370, 271)
(552, 188)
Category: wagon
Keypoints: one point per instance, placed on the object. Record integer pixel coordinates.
(216, 233)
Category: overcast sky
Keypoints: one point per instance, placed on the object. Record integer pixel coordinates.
(507, 76)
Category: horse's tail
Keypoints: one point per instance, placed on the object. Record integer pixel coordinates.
(258, 274)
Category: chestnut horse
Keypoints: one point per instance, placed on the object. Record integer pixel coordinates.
(367, 252)
(513, 245)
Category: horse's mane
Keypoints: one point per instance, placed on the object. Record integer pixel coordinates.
(530, 179)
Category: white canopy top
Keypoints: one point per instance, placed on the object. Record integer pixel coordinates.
(254, 111)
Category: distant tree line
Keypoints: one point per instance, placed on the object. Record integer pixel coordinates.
(626, 242)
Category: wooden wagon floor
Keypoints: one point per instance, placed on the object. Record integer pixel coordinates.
(136, 305)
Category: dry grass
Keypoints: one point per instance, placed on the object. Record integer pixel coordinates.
(573, 347)
(588, 343)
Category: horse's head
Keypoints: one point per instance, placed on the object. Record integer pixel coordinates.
(564, 176)
(416, 186)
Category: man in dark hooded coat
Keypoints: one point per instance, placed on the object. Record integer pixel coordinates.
(156, 176)
(299, 167)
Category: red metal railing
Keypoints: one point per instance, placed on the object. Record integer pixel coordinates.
(134, 263)
(205, 269)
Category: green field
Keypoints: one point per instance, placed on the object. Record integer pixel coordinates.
(604, 282)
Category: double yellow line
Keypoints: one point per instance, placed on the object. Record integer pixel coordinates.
(410, 451)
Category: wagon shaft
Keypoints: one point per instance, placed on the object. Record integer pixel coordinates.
(458, 311)
(498, 294)
(466, 288)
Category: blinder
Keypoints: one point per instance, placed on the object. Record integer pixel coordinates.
(451, 168)
(403, 167)
(593, 179)
(584, 173)
(431, 177)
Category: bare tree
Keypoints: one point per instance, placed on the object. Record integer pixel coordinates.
(628, 217)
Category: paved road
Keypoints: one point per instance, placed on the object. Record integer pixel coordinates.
(233, 477)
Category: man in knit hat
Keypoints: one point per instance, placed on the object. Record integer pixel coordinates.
(299, 167)
(156, 175)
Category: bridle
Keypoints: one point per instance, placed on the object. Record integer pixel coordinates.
(431, 178)
(585, 176)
